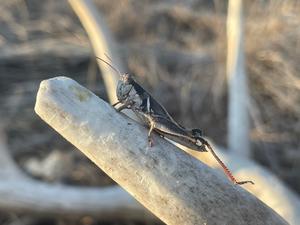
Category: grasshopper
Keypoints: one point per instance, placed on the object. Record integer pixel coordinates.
(132, 95)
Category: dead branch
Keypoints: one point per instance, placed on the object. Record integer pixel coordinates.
(176, 187)
(20, 193)
(99, 35)
(8, 168)
(29, 196)
(238, 118)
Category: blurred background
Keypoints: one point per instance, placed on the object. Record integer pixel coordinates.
(177, 50)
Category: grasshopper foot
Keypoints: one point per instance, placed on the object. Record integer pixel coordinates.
(150, 142)
(114, 105)
(201, 145)
(244, 182)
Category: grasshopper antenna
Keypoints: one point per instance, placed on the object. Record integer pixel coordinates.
(107, 56)
(224, 167)
(109, 64)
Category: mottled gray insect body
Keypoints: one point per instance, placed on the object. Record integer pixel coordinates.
(133, 96)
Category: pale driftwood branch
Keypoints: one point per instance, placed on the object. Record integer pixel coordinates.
(103, 45)
(238, 118)
(175, 186)
(29, 196)
(20, 193)
(99, 36)
(8, 168)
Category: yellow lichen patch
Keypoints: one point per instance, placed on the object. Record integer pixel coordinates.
(81, 93)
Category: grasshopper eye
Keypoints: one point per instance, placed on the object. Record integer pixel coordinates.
(197, 132)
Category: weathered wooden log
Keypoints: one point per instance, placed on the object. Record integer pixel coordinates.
(175, 186)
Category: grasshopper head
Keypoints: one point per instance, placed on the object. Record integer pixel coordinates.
(126, 78)
(197, 133)
(124, 86)
(125, 82)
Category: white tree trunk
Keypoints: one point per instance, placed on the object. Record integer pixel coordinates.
(173, 185)
(238, 118)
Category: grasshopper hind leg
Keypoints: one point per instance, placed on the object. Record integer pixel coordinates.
(150, 140)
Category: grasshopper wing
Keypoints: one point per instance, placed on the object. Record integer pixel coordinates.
(156, 108)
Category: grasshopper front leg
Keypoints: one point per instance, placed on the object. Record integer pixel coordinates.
(126, 105)
(150, 141)
(151, 121)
